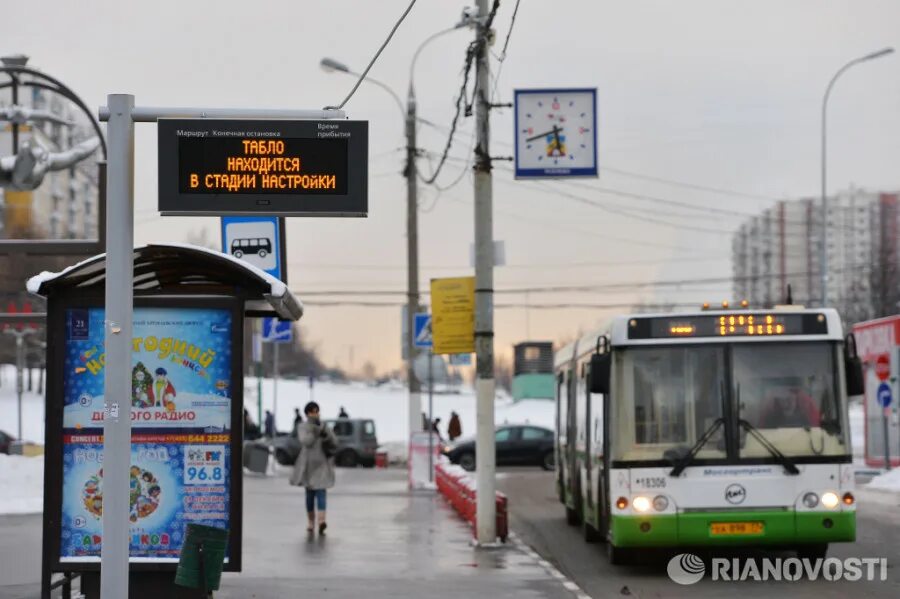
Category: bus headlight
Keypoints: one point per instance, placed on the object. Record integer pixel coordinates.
(660, 503)
(830, 500)
(810, 500)
(641, 504)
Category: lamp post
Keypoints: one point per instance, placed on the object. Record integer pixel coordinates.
(412, 214)
(824, 256)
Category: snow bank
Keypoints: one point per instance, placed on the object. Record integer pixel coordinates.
(387, 406)
(32, 407)
(889, 481)
(22, 480)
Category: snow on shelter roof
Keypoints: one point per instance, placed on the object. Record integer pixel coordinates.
(180, 268)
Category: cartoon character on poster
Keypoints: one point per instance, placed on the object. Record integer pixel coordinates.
(141, 382)
(163, 391)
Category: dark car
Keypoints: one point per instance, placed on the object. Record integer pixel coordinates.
(524, 445)
(5, 441)
(356, 443)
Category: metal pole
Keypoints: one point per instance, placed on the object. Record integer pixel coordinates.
(20, 363)
(412, 260)
(824, 255)
(117, 372)
(885, 414)
(484, 283)
(259, 374)
(275, 389)
(430, 419)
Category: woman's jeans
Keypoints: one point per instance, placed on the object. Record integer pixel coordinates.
(315, 497)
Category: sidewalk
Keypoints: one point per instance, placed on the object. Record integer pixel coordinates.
(381, 542)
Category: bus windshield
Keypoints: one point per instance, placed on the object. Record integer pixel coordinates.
(788, 392)
(666, 398)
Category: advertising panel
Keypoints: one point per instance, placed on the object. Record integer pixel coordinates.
(181, 417)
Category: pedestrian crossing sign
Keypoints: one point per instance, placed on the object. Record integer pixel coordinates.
(423, 331)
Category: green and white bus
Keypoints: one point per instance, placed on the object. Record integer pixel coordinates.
(712, 428)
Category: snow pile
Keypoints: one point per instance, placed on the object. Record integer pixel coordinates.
(889, 481)
(22, 480)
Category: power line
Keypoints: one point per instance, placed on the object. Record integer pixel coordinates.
(592, 287)
(472, 51)
(374, 58)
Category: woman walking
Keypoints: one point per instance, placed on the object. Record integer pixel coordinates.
(314, 468)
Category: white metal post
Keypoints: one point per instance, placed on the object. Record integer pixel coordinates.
(484, 299)
(117, 373)
(275, 389)
(430, 417)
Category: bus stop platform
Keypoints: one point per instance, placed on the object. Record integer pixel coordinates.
(382, 541)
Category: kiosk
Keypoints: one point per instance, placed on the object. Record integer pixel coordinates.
(186, 401)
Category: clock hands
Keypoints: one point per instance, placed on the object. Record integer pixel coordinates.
(555, 132)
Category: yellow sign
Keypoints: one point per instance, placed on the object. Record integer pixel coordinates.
(453, 315)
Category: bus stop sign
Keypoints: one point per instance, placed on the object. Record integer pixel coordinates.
(257, 240)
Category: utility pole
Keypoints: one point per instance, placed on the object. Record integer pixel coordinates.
(484, 289)
(412, 257)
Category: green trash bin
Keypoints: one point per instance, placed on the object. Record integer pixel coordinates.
(195, 564)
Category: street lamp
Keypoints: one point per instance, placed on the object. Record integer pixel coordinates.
(824, 259)
(330, 65)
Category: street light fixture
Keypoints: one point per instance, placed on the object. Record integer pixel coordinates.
(824, 255)
(330, 65)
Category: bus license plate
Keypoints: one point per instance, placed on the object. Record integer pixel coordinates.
(735, 528)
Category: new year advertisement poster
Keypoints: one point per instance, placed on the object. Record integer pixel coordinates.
(181, 429)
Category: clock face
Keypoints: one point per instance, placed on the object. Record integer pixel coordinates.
(556, 133)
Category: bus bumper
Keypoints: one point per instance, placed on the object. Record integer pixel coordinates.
(780, 527)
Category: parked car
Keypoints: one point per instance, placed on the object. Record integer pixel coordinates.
(524, 445)
(5, 441)
(356, 437)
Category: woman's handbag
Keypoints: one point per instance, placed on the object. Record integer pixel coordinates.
(329, 447)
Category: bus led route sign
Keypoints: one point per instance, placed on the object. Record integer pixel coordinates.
(289, 168)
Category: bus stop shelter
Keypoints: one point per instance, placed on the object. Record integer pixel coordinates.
(186, 408)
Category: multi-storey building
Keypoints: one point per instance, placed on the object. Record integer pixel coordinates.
(783, 246)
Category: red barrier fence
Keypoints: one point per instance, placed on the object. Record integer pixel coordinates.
(459, 488)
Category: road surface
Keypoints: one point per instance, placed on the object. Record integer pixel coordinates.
(539, 520)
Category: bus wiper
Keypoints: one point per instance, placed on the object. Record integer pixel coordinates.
(789, 466)
(692, 453)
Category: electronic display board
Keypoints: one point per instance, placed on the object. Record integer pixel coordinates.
(738, 324)
(273, 167)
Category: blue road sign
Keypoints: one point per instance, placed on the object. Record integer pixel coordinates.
(422, 331)
(884, 395)
(277, 331)
(460, 359)
(257, 240)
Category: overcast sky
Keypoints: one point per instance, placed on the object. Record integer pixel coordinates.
(714, 93)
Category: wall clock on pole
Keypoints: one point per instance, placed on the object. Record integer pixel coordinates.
(556, 132)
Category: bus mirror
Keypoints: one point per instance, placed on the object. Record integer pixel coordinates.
(600, 373)
(855, 385)
(853, 368)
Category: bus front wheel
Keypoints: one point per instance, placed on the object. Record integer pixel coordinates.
(263, 253)
(238, 254)
(572, 516)
(812, 551)
(618, 556)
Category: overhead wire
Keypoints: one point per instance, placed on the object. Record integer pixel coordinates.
(374, 58)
